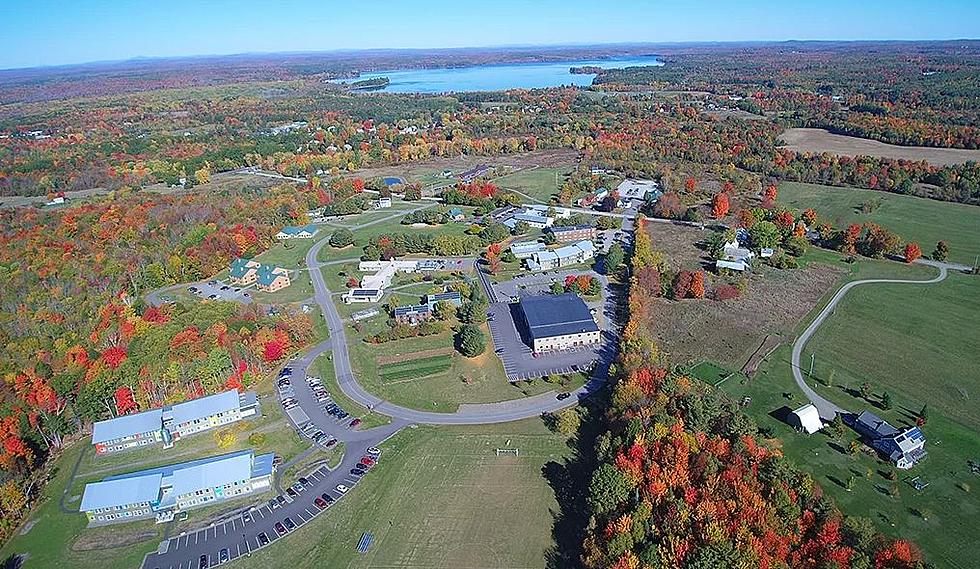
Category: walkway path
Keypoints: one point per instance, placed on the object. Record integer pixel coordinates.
(827, 409)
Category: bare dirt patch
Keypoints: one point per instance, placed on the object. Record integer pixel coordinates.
(819, 140)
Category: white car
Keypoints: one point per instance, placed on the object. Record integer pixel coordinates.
(342, 489)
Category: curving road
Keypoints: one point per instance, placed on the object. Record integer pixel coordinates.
(827, 409)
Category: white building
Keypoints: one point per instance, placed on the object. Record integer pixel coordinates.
(544, 210)
(526, 249)
(558, 322)
(297, 232)
(383, 203)
(631, 189)
(573, 254)
(806, 419)
(357, 295)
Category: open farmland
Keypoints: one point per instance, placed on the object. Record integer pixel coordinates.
(817, 140)
(917, 343)
(915, 219)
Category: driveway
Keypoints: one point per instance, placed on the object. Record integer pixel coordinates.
(827, 409)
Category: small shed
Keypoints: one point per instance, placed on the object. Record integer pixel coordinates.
(806, 419)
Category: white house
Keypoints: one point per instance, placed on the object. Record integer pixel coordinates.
(297, 232)
(356, 295)
(631, 189)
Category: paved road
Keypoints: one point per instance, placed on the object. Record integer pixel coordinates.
(827, 409)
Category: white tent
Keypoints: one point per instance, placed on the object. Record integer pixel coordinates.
(806, 419)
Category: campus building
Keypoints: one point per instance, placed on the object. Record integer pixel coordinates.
(165, 491)
(558, 322)
(412, 315)
(267, 278)
(526, 249)
(573, 254)
(356, 295)
(452, 297)
(297, 232)
(168, 424)
(569, 233)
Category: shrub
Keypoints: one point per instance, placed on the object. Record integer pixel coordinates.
(724, 292)
(256, 439)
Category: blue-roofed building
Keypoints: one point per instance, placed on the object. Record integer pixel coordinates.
(526, 249)
(243, 271)
(128, 431)
(271, 279)
(170, 423)
(903, 447)
(456, 214)
(558, 322)
(297, 232)
(453, 297)
(533, 220)
(164, 491)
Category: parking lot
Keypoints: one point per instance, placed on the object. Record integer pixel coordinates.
(219, 290)
(314, 395)
(256, 527)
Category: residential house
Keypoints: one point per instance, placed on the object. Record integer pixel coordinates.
(904, 447)
(456, 214)
(271, 279)
(243, 272)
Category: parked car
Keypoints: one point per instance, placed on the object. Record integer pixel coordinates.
(357, 472)
(263, 539)
(202, 563)
(342, 489)
(289, 524)
(327, 498)
(374, 451)
(291, 492)
(355, 423)
(564, 395)
(320, 503)
(368, 460)
(246, 517)
(281, 499)
(280, 529)
(223, 555)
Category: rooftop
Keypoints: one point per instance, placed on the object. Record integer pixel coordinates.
(557, 315)
(569, 228)
(127, 426)
(205, 406)
(121, 492)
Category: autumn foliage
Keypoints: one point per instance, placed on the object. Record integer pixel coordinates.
(719, 205)
(912, 252)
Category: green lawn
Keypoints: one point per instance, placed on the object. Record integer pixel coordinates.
(915, 219)
(538, 183)
(439, 498)
(415, 368)
(919, 343)
(291, 254)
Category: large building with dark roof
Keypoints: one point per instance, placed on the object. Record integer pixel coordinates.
(558, 322)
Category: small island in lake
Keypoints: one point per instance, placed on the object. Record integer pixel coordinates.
(585, 70)
(370, 84)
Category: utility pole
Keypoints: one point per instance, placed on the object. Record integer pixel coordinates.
(812, 355)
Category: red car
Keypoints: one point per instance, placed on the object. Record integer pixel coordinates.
(354, 423)
(367, 460)
(280, 529)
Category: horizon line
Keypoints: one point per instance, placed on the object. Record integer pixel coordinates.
(138, 58)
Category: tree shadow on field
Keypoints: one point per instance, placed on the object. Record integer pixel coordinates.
(570, 483)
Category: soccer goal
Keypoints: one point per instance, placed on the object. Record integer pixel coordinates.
(506, 451)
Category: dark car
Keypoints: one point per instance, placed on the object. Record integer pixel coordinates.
(356, 472)
(327, 498)
(225, 287)
(291, 492)
(223, 555)
(281, 499)
(263, 539)
(331, 442)
(320, 503)
(353, 424)
(280, 529)
(564, 395)
(304, 480)
(289, 524)
(203, 562)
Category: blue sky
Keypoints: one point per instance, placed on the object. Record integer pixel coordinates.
(45, 32)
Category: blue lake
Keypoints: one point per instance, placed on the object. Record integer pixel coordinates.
(499, 77)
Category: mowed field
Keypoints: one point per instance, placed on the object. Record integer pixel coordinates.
(819, 140)
(918, 342)
(439, 498)
(539, 184)
(914, 219)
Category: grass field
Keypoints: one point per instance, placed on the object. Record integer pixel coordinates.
(918, 343)
(536, 183)
(439, 498)
(415, 368)
(819, 140)
(914, 219)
